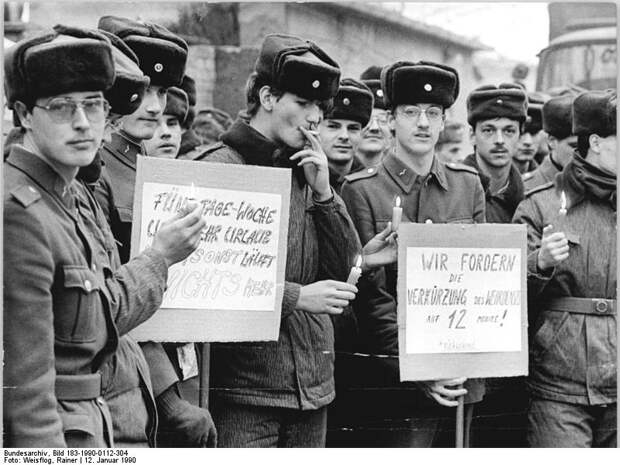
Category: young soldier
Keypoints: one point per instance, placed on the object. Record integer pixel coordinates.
(166, 141)
(557, 123)
(276, 393)
(450, 146)
(417, 95)
(495, 115)
(376, 136)
(340, 130)
(66, 303)
(162, 56)
(532, 138)
(572, 275)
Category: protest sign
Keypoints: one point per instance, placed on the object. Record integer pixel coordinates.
(462, 306)
(231, 287)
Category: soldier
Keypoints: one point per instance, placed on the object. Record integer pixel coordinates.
(571, 223)
(340, 130)
(162, 56)
(376, 136)
(66, 302)
(276, 393)
(450, 147)
(532, 140)
(166, 142)
(417, 95)
(557, 123)
(496, 115)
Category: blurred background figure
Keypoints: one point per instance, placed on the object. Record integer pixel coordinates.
(210, 123)
(167, 139)
(532, 144)
(453, 145)
(376, 138)
(189, 139)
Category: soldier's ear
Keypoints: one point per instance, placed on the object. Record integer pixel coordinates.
(595, 143)
(266, 98)
(391, 121)
(472, 135)
(23, 114)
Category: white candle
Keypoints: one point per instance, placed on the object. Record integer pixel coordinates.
(397, 214)
(356, 271)
(192, 192)
(562, 211)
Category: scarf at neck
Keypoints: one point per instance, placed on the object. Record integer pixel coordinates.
(587, 180)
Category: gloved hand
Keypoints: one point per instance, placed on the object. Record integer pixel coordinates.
(182, 424)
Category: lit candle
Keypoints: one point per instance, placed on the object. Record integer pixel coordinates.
(192, 192)
(397, 214)
(562, 211)
(356, 271)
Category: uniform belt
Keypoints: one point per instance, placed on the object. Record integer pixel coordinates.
(584, 306)
(78, 387)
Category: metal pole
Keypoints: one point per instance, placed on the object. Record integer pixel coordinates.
(460, 420)
(205, 357)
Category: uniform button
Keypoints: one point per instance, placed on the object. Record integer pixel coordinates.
(94, 267)
(429, 221)
(100, 401)
(370, 170)
(88, 285)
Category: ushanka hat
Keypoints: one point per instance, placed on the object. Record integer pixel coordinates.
(594, 112)
(298, 66)
(557, 118)
(176, 103)
(352, 102)
(372, 78)
(405, 82)
(535, 102)
(503, 101)
(65, 59)
(130, 83)
(161, 53)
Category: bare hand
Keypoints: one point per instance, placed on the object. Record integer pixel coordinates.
(178, 237)
(440, 390)
(314, 162)
(553, 248)
(328, 296)
(381, 250)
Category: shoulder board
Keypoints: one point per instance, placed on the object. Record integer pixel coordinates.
(202, 151)
(362, 174)
(540, 188)
(461, 167)
(26, 195)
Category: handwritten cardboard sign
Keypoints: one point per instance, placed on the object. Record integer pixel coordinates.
(231, 287)
(462, 301)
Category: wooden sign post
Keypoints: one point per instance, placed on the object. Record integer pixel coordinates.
(462, 306)
(231, 288)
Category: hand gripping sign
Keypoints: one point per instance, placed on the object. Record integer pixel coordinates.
(462, 301)
(231, 287)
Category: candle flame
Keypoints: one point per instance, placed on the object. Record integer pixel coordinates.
(563, 200)
(397, 202)
(358, 262)
(192, 191)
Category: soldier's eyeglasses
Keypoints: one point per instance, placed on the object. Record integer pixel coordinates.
(63, 110)
(433, 114)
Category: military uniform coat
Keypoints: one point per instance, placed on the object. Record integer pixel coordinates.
(64, 308)
(572, 355)
(545, 173)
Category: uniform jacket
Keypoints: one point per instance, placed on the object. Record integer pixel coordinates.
(500, 206)
(64, 306)
(296, 371)
(450, 193)
(545, 173)
(572, 356)
(115, 191)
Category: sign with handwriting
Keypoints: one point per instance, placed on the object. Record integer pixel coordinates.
(230, 288)
(462, 300)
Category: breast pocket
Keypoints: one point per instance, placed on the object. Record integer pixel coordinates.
(77, 305)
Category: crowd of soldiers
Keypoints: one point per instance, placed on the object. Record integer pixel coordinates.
(87, 103)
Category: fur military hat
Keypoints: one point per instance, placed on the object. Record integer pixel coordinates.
(594, 112)
(130, 83)
(65, 59)
(557, 118)
(353, 102)
(503, 101)
(177, 103)
(533, 122)
(162, 54)
(372, 78)
(298, 66)
(405, 82)
(189, 86)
